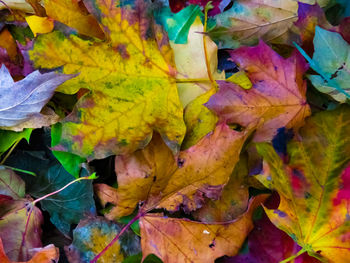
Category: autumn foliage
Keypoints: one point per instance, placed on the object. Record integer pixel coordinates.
(174, 131)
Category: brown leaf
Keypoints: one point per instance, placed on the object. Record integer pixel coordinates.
(48, 254)
(164, 237)
(153, 175)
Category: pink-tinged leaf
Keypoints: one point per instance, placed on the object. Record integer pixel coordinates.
(277, 98)
(344, 29)
(309, 16)
(313, 186)
(48, 254)
(268, 244)
(19, 231)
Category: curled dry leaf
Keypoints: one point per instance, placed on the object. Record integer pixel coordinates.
(154, 176)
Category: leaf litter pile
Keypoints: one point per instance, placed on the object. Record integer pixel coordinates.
(175, 131)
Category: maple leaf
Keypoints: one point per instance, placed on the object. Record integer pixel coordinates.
(331, 60)
(164, 236)
(277, 97)
(313, 186)
(268, 244)
(74, 14)
(153, 175)
(93, 234)
(132, 83)
(46, 254)
(22, 100)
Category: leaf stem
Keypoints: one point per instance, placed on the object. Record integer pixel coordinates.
(61, 189)
(301, 251)
(19, 170)
(192, 80)
(9, 152)
(212, 80)
(116, 238)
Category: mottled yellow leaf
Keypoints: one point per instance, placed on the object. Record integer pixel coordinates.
(314, 186)
(74, 14)
(131, 80)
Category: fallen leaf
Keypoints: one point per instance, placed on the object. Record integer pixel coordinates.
(247, 21)
(40, 25)
(20, 232)
(21, 5)
(277, 97)
(199, 119)
(74, 14)
(191, 63)
(66, 207)
(309, 16)
(22, 100)
(313, 186)
(11, 184)
(178, 25)
(268, 244)
(344, 29)
(93, 234)
(164, 237)
(153, 175)
(8, 138)
(132, 83)
(233, 200)
(46, 254)
(331, 61)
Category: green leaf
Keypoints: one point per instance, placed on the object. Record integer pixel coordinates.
(95, 233)
(8, 138)
(178, 24)
(331, 60)
(66, 207)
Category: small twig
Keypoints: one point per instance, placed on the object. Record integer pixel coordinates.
(64, 187)
(19, 170)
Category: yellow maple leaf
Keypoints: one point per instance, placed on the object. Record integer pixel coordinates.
(131, 79)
